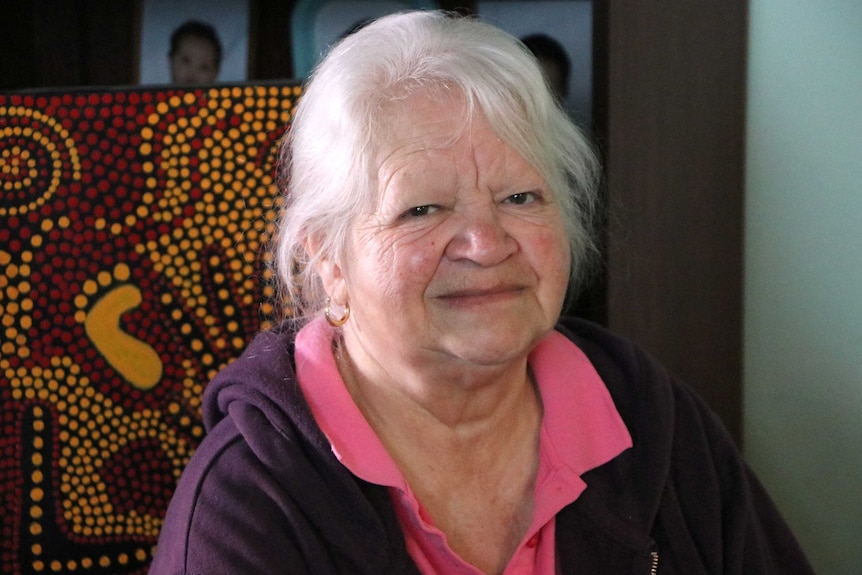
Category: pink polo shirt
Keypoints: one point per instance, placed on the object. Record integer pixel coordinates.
(581, 430)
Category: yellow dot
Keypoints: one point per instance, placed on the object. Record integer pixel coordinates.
(122, 272)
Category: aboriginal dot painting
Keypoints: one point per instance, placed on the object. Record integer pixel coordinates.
(134, 227)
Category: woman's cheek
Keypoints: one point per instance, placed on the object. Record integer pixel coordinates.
(399, 265)
(551, 251)
(414, 263)
(421, 260)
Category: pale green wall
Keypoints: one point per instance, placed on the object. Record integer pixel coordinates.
(803, 288)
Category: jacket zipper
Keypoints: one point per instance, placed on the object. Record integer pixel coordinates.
(653, 570)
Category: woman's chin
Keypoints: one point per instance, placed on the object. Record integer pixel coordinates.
(497, 346)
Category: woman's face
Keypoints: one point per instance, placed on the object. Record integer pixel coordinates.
(465, 256)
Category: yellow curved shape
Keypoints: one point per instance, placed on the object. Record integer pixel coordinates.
(136, 360)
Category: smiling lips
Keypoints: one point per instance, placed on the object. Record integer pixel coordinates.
(482, 295)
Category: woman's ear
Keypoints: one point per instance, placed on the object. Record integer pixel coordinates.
(329, 271)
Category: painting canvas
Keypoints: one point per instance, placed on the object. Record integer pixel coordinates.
(134, 234)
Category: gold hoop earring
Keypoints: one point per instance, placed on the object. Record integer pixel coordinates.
(333, 321)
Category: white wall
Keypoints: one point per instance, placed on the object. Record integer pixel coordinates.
(803, 295)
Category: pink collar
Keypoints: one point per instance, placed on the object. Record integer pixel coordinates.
(581, 430)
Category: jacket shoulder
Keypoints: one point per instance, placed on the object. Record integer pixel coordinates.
(684, 487)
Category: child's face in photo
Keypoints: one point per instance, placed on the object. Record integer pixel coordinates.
(195, 62)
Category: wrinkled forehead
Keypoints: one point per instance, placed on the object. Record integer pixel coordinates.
(435, 116)
(426, 124)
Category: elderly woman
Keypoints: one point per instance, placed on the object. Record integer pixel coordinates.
(427, 411)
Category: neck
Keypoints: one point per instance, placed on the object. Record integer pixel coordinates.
(455, 395)
(467, 442)
(463, 417)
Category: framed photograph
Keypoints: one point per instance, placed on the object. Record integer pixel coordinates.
(567, 23)
(159, 19)
(317, 24)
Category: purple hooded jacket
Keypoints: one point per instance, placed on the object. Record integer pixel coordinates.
(264, 493)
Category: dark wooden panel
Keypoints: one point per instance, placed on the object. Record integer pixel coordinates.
(673, 136)
(17, 45)
(58, 54)
(58, 43)
(270, 43)
(108, 35)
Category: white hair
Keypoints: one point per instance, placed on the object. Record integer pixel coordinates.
(339, 124)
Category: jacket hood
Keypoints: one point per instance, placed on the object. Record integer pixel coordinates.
(258, 397)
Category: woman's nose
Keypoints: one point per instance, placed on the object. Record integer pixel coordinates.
(480, 236)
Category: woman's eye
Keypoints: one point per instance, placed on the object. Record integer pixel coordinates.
(522, 198)
(420, 211)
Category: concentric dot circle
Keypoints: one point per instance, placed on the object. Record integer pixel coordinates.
(35, 153)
